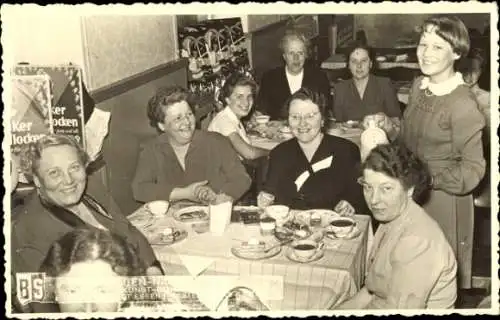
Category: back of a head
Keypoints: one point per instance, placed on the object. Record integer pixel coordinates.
(83, 245)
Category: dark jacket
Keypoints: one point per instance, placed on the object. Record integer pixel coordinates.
(210, 157)
(38, 224)
(328, 182)
(274, 90)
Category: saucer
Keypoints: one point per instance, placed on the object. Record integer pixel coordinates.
(290, 254)
(354, 233)
(192, 214)
(246, 254)
(140, 221)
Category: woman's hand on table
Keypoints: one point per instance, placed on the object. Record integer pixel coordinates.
(205, 194)
(345, 209)
(221, 198)
(196, 192)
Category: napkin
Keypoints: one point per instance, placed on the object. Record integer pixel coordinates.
(196, 265)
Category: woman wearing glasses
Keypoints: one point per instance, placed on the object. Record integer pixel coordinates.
(313, 170)
(182, 163)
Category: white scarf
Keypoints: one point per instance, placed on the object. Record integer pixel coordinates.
(442, 88)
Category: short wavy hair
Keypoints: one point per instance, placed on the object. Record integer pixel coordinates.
(452, 30)
(304, 94)
(294, 34)
(163, 98)
(396, 161)
(82, 244)
(236, 79)
(32, 153)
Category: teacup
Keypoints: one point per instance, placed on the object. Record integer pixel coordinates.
(262, 119)
(157, 208)
(342, 226)
(305, 249)
(267, 225)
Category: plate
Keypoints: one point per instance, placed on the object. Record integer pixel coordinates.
(355, 232)
(192, 214)
(284, 233)
(254, 255)
(160, 239)
(291, 256)
(141, 220)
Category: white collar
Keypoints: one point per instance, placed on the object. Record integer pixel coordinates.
(232, 116)
(298, 75)
(442, 88)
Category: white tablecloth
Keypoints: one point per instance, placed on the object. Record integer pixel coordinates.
(314, 286)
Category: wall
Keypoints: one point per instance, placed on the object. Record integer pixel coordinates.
(382, 30)
(118, 47)
(40, 35)
(129, 126)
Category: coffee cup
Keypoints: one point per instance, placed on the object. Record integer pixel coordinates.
(341, 227)
(305, 249)
(267, 225)
(157, 208)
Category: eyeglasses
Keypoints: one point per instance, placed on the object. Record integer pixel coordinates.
(307, 117)
(181, 117)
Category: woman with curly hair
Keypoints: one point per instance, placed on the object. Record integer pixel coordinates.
(411, 264)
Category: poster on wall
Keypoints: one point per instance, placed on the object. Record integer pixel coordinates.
(215, 49)
(66, 105)
(31, 117)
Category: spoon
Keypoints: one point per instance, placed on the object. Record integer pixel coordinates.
(278, 245)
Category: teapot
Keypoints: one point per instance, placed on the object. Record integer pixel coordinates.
(371, 137)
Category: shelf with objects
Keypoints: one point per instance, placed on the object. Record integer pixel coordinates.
(215, 49)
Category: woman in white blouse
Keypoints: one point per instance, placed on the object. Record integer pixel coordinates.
(238, 94)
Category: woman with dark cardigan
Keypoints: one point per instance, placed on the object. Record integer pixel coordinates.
(314, 170)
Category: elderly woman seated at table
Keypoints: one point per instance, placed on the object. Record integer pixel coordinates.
(63, 201)
(238, 94)
(183, 163)
(87, 267)
(313, 170)
(365, 93)
(277, 85)
(411, 263)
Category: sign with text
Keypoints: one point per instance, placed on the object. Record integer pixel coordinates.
(31, 116)
(66, 97)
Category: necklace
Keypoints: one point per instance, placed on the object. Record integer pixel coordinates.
(427, 92)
